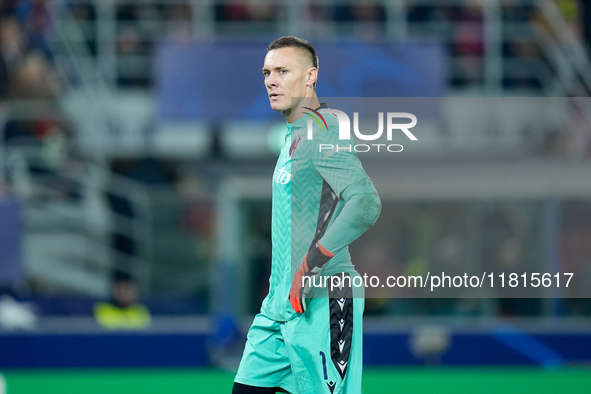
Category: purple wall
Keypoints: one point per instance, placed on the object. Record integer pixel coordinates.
(11, 236)
(223, 81)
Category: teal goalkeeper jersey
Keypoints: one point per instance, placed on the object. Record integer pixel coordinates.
(311, 189)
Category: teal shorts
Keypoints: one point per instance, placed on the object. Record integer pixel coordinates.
(319, 351)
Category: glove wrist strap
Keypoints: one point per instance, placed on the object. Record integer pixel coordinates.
(318, 256)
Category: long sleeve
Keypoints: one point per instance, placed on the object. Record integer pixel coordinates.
(361, 210)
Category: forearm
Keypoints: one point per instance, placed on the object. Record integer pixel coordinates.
(361, 210)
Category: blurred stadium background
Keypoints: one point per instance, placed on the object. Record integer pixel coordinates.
(136, 141)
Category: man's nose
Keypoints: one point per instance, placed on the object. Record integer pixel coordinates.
(271, 80)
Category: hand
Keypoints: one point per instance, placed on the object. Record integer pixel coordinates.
(313, 262)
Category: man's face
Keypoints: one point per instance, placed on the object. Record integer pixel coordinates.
(286, 76)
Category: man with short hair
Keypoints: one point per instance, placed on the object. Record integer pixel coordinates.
(308, 336)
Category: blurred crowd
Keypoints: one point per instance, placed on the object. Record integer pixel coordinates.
(30, 83)
(25, 56)
(141, 24)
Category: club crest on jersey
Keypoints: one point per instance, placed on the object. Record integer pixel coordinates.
(294, 145)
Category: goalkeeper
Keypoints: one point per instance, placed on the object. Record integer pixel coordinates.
(308, 339)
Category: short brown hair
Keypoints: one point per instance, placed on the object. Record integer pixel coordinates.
(292, 41)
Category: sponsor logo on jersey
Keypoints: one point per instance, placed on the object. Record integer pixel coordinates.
(281, 176)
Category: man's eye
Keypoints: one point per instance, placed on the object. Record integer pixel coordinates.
(282, 71)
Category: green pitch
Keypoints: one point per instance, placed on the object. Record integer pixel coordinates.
(386, 380)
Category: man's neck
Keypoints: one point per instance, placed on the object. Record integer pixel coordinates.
(293, 114)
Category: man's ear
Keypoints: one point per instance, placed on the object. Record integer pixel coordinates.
(312, 75)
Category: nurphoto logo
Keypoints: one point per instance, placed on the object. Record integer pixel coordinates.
(392, 125)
